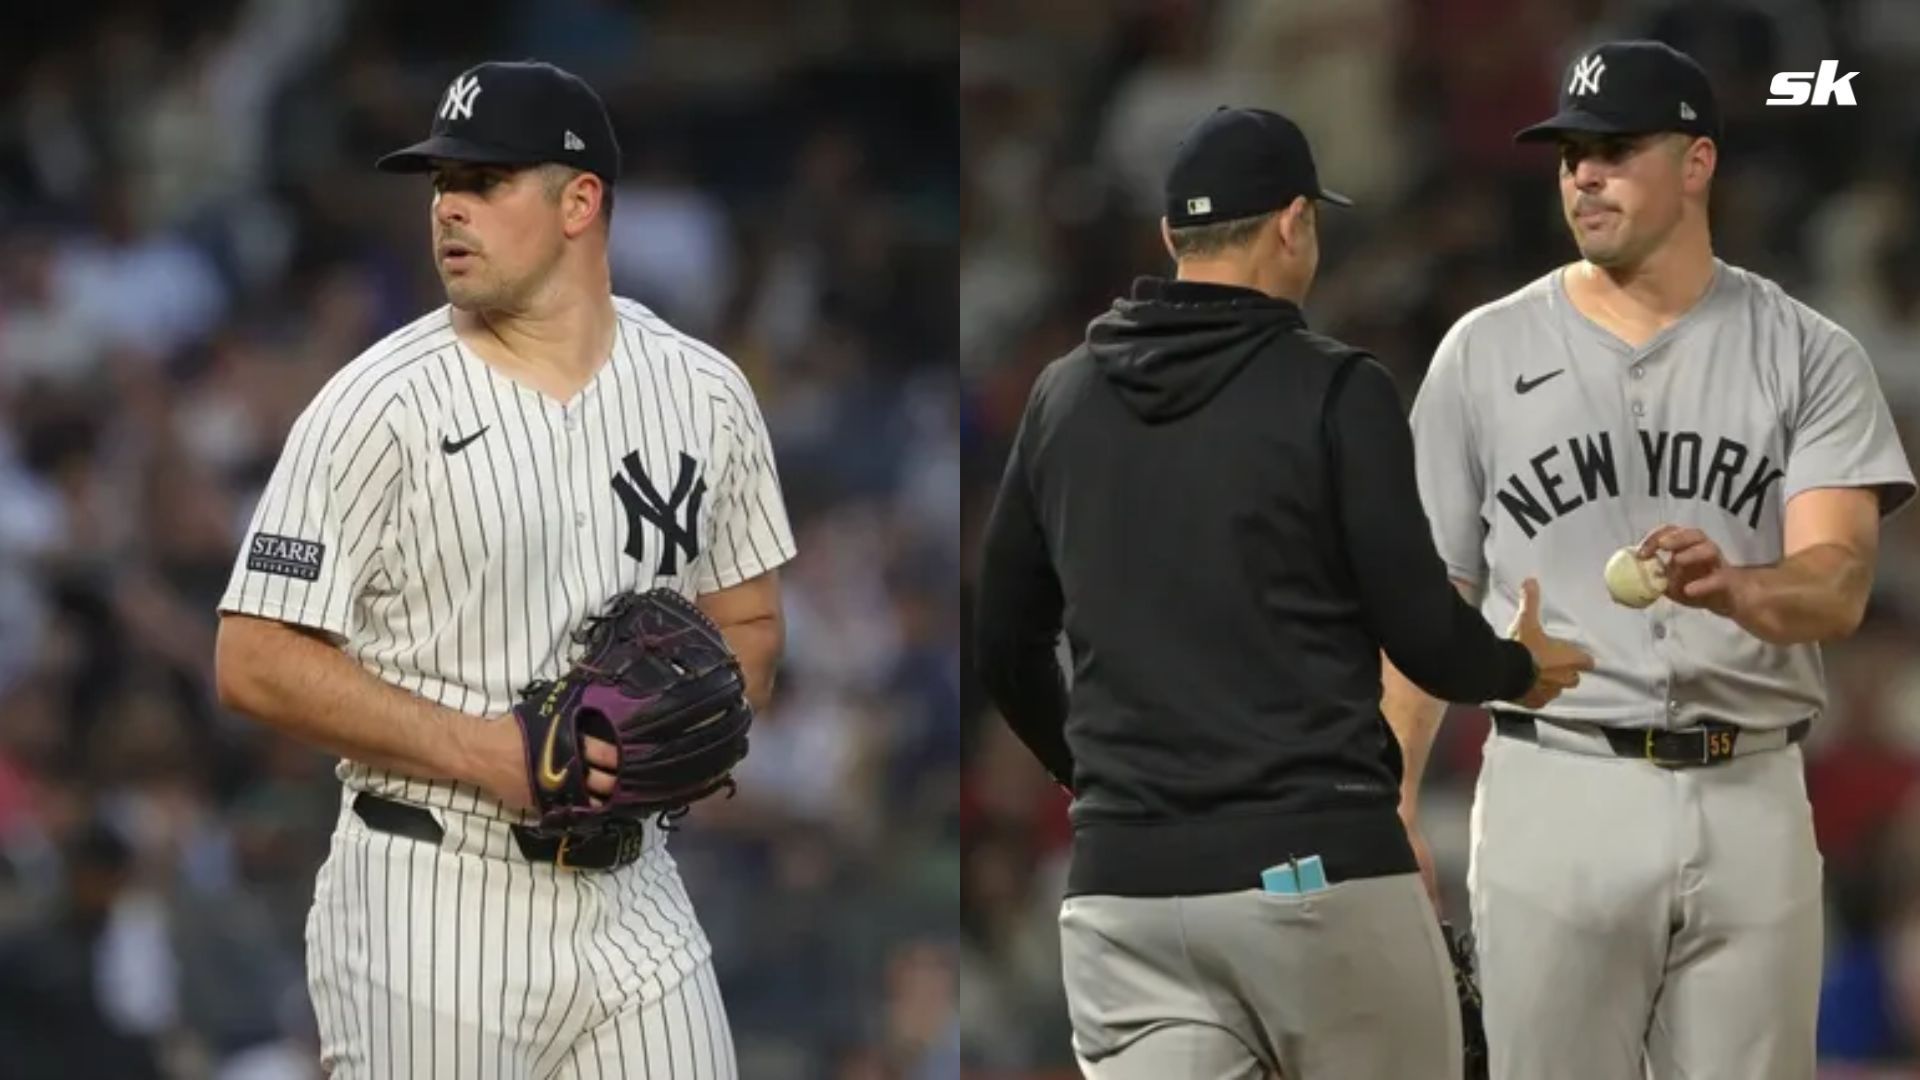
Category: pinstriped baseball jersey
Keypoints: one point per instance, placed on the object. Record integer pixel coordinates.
(453, 525)
(1545, 443)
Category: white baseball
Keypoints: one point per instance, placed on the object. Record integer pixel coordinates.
(1634, 581)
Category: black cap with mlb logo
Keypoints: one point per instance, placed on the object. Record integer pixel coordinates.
(1238, 163)
(1632, 88)
(516, 113)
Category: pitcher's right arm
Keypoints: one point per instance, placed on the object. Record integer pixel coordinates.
(298, 682)
(1414, 715)
(324, 526)
(1451, 490)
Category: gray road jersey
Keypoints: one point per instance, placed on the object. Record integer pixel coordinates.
(1545, 443)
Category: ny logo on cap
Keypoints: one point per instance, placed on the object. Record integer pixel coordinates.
(1586, 76)
(460, 95)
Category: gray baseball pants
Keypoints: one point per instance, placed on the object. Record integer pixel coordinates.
(1634, 920)
(1350, 983)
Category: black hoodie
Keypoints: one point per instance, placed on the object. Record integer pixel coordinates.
(1219, 508)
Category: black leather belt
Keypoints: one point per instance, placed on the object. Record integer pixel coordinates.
(1709, 743)
(619, 845)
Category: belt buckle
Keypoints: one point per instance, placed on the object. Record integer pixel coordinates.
(1674, 763)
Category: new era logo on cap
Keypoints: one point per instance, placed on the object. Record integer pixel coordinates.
(1201, 205)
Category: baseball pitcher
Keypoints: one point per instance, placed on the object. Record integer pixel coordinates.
(517, 567)
(1645, 886)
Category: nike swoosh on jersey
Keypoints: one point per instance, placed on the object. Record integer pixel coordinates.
(452, 447)
(1521, 385)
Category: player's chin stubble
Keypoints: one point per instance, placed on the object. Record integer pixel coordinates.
(1600, 252)
(471, 291)
(463, 295)
(1602, 247)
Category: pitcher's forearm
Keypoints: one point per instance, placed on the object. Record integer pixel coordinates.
(1415, 717)
(757, 645)
(1819, 594)
(749, 617)
(308, 689)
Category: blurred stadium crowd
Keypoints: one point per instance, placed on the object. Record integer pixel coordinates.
(1071, 110)
(192, 239)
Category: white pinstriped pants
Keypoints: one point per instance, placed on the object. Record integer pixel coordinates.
(465, 960)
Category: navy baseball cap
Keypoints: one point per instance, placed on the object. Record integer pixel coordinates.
(516, 113)
(1632, 88)
(1238, 163)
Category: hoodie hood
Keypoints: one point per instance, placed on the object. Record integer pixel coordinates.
(1172, 345)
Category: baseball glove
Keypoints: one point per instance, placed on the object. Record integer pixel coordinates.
(1466, 981)
(656, 679)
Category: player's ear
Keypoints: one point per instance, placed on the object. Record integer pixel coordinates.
(1295, 222)
(1696, 167)
(1166, 237)
(580, 203)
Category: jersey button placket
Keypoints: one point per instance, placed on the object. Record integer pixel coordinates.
(571, 421)
(570, 558)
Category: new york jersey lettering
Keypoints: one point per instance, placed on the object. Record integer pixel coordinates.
(1676, 464)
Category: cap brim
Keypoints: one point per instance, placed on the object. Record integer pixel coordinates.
(1333, 197)
(421, 156)
(1584, 123)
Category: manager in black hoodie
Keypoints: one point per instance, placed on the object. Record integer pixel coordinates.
(1218, 507)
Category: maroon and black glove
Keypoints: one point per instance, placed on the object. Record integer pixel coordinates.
(656, 679)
